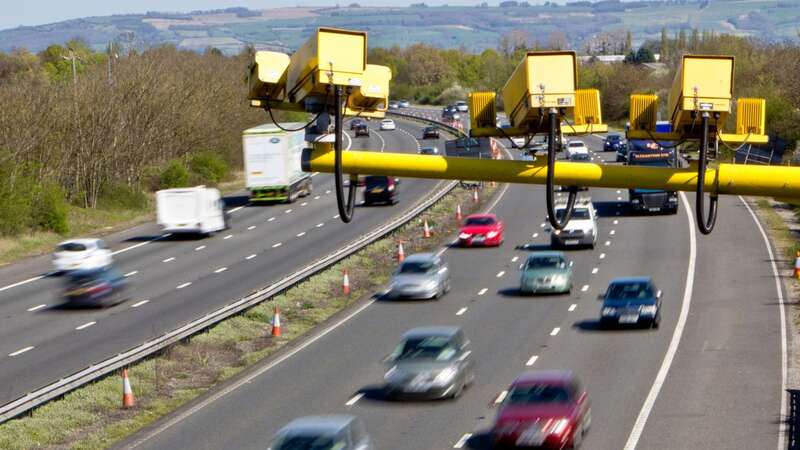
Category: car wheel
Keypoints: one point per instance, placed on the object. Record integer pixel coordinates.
(657, 321)
(577, 438)
(459, 389)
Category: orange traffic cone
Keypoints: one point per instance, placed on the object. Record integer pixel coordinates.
(128, 401)
(276, 322)
(426, 231)
(346, 284)
(475, 196)
(797, 266)
(401, 255)
(458, 212)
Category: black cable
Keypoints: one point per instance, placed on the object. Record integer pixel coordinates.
(345, 209)
(706, 225)
(269, 110)
(551, 163)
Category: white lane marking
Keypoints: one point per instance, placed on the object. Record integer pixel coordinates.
(228, 236)
(535, 235)
(602, 255)
(138, 245)
(619, 199)
(531, 361)
(501, 273)
(482, 291)
(251, 256)
(316, 197)
(37, 307)
(543, 225)
(595, 270)
(197, 249)
(321, 224)
(138, 304)
(277, 245)
(21, 351)
(585, 288)
(170, 259)
(301, 234)
(29, 280)
(336, 216)
(235, 209)
(461, 311)
(287, 211)
(572, 307)
(608, 243)
(251, 227)
(500, 397)
(304, 204)
(647, 407)
(612, 232)
(782, 307)
(86, 325)
(555, 331)
(270, 219)
(514, 259)
(221, 269)
(463, 441)
(181, 286)
(616, 222)
(328, 192)
(353, 400)
(132, 273)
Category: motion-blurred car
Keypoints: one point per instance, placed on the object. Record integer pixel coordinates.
(430, 362)
(461, 106)
(547, 408)
(94, 288)
(580, 157)
(631, 301)
(420, 276)
(481, 229)
(388, 124)
(380, 189)
(355, 122)
(394, 105)
(430, 133)
(429, 151)
(81, 254)
(581, 230)
(403, 103)
(576, 149)
(545, 272)
(613, 142)
(322, 433)
(362, 130)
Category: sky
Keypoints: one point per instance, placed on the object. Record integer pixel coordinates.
(38, 12)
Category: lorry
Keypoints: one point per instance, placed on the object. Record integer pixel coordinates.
(649, 153)
(192, 210)
(272, 163)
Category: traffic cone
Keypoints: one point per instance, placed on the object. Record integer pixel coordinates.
(797, 266)
(458, 212)
(401, 255)
(276, 322)
(346, 284)
(128, 401)
(426, 231)
(475, 196)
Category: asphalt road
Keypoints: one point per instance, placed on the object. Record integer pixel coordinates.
(173, 281)
(709, 377)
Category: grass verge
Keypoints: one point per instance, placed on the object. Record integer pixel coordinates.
(91, 418)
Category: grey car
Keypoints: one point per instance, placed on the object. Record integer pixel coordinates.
(322, 433)
(420, 276)
(545, 272)
(430, 363)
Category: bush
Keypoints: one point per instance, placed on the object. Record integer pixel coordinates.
(122, 196)
(208, 167)
(49, 210)
(174, 175)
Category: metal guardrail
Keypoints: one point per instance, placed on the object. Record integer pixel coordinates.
(103, 368)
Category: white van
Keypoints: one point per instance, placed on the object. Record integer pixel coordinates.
(197, 209)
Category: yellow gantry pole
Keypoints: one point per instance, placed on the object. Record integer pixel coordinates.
(733, 179)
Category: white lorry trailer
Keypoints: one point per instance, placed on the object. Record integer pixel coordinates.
(272, 163)
(199, 210)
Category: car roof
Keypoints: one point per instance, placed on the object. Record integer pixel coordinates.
(332, 424)
(639, 279)
(545, 376)
(493, 216)
(546, 254)
(420, 257)
(387, 120)
(431, 331)
(80, 241)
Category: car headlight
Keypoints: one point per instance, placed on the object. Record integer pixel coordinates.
(609, 311)
(464, 236)
(673, 199)
(492, 234)
(558, 427)
(557, 232)
(393, 374)
(430, 284)
(445, 377)
(559, 278)
(649, 310)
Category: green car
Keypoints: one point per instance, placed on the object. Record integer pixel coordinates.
(546, 273)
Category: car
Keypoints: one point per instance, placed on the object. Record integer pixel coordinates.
(355, 122)
(380, 189)
(394, 105)
(481, 229)
(543, 409)
(455, 116)
(613, 142)
(429, 151)
(430, 133)
(420, 276)
(335, 432)
(581, 230)
(94, 288)
(631, 301)
(388, 124)
(519, 141)
(580, 157)
(362, 130)
(430, 362)
(81, 254)
(403, 103)
(575, 148)
(545, 272)
(461, 106)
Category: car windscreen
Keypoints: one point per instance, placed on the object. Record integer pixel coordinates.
(577, 213)
(440, 348)
(71, 247)
(614, 138)
(546, 262)
(411, 267)
(372, 182)
(308, 442)
(479, 221)
(538, 393)
(579, 157)
(576, 144)
(630, 291)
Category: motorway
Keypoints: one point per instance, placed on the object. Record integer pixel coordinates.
(173, 281)
(709, 377)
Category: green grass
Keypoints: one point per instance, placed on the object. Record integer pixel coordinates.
(782, 237)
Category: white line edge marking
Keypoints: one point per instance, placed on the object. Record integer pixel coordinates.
(572, 307)
(181, 286)
(21, 351)
(37, 307)
(461, 311)
(647, 407)
(251, 256)
(221, 269)
(131, 273)
(532, 360)
(782, 307)
(354, 399)
(500, 397)
(463, 441)
(86, 325)
(138, 304)
(555, 331)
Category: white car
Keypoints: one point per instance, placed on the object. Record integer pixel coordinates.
(388, 124)
(577, 151)
(581, 230)
(81, 254)
(461, 106)
(404, 104)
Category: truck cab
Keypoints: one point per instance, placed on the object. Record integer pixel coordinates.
(651, 201)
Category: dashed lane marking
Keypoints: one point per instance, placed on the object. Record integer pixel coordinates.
(138, 304)
(37, 307)
(461, 311)
(221, 269)
(181, 286)
(132, 273)
(532, 360)
(572, 307)
(555, 331)
(86, 325)
(21, 351)
(482, 291)
(355, 398)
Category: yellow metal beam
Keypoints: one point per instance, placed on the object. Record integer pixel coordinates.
(772, 181)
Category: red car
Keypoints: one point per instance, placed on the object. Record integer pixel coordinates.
(548, 409)
(481, 229)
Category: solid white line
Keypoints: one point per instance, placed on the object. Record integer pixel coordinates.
(181, 286)
(595, 270)
(277, 245)
(37, 307)
(501, 273)
(170, 259)
(555, 331)
(235, 209)
(301, 234)
(251, 227)
(482, 291)
(86, 325)
(251, 256)
(320, 225)
(29, 280)
(228, 236)
(461, 311)
(781, 306)
(221, 269)
(500, 397)
(270, 219)
(602, 255)
(130, 274)
(641, 420)
(197, 249)
(572, 307)
(138, 245)
(21, 351)
(463, 441)
(514, 259)
(585, 288)
(532, 360)
(138, 304)
(353, 400)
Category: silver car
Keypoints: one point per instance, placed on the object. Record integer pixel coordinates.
(420, 276)
(430, 362)
(322, 433)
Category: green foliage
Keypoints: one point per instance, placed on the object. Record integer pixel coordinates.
(49, 211)
(174, 175)
(122, 196)
(27, 204)
(208, 168)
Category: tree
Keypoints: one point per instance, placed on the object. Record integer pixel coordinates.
(663, 47)
(628, 42)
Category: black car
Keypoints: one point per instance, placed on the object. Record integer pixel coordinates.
(380, 189)
(613, 142)
(94, 288)
(362, 130)
(631, 301)
(430, 133)
(355, 122)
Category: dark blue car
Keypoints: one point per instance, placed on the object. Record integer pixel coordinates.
(631, 301)
(613, 142)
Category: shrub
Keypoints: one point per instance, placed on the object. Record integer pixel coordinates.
(122, 196)
(208, 167)
(174, 175)
(49, 210)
